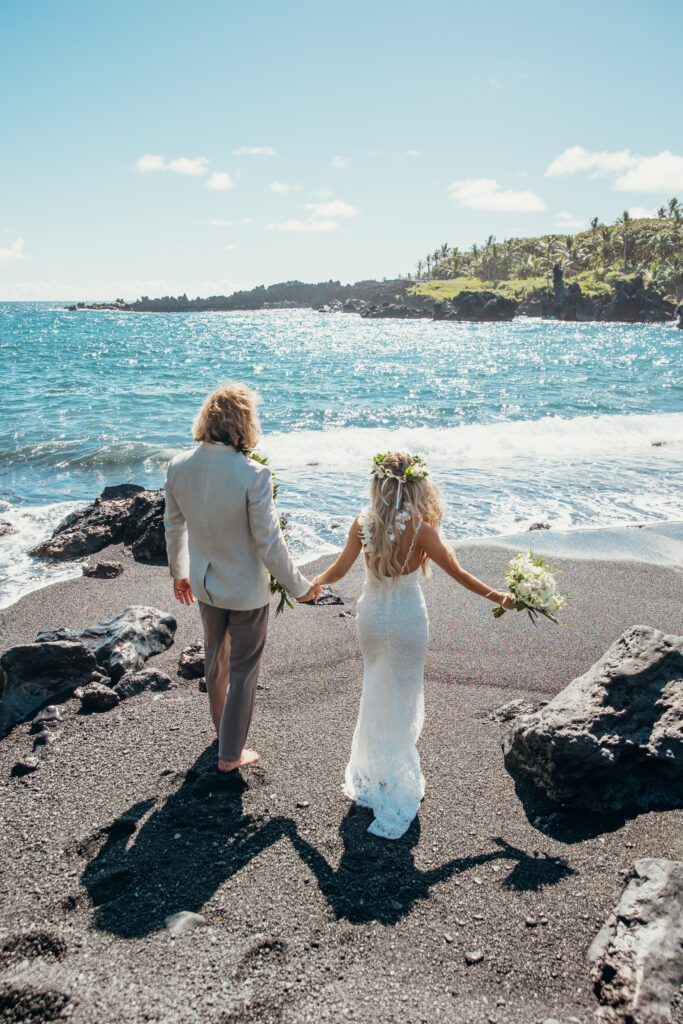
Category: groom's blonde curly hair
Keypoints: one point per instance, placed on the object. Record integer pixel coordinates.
(229, 416)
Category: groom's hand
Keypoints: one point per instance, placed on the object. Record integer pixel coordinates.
(311, 596)
(182, 591)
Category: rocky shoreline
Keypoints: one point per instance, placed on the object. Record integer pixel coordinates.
(630, 302)
(541, 881)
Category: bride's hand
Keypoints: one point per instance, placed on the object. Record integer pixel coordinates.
(312, 595)
(508, 602)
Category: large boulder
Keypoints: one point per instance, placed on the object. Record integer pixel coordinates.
(145, 526)
(679, 314)
(637, 956)
(485, 306)
(613, 738)
(126, 514)
(633, 303)
(124, 643)
(567, 302)
(40, 673)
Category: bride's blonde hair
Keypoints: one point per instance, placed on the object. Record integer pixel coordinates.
(382, 524)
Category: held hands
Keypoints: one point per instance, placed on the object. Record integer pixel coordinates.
(182, 591)
(311, 596)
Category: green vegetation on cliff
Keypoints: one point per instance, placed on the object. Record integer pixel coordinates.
(521, 268)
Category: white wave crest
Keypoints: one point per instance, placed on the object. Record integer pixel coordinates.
(552, 438)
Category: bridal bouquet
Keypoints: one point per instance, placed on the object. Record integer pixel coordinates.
(275, 587)
(533, 587)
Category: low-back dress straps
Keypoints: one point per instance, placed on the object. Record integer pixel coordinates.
(410, 549)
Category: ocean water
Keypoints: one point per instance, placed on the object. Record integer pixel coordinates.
(576, 425)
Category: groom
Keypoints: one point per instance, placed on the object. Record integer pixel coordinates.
(223, 540)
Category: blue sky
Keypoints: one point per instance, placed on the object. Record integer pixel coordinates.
(162, 147)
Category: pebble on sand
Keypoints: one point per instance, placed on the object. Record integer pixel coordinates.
(25, 766)
(183, 921)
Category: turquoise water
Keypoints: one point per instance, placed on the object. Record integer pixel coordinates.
(578, 425)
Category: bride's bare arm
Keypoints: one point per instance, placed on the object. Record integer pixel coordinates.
(351, 551)
(431, 543)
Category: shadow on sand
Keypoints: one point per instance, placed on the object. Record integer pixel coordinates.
(200, 836)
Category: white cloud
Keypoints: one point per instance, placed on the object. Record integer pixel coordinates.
(254, 151)
(322, 193)
(305, 225)
(486, 194)
(661, 173)
(229, 247)
(214, 223)
(149, 162)
(279, 186)
(181, 165)
(413, 152)
(220, 181)
(336, 208)
(642, 211)
(340, 161)
(494, 83)
(13, 252)
(247, 220)
(569, 222)
(579, 159)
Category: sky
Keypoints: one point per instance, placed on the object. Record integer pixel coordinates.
(161, 146)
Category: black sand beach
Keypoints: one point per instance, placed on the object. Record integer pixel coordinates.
(308, 917)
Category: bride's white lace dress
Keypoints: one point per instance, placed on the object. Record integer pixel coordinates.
(384, 771)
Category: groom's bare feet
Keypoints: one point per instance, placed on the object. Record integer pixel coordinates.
(247, 757)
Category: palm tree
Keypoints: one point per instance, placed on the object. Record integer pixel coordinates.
(605, 247)
(420, 268)
(551, 252)
(623, 225)
(675, 210)
(456, 259)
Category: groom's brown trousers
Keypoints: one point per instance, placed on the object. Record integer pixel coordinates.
(233, 645)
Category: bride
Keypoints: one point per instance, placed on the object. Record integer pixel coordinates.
(399, 536)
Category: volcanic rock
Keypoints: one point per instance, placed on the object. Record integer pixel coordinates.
(567, 302)
(486, 306)
(135, 682)
(39, 673)
(637, 966)
(26, 766)
(103, 570)
(124, 643)
(49, 718)
(97, 697)
(191, 663)
(613, 738)
(145, 527)
(635, 304)
(124, 514)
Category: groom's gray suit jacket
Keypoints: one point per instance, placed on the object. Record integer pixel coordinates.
(222, 529)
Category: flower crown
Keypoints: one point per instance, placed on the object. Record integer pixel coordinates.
(417, 470)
